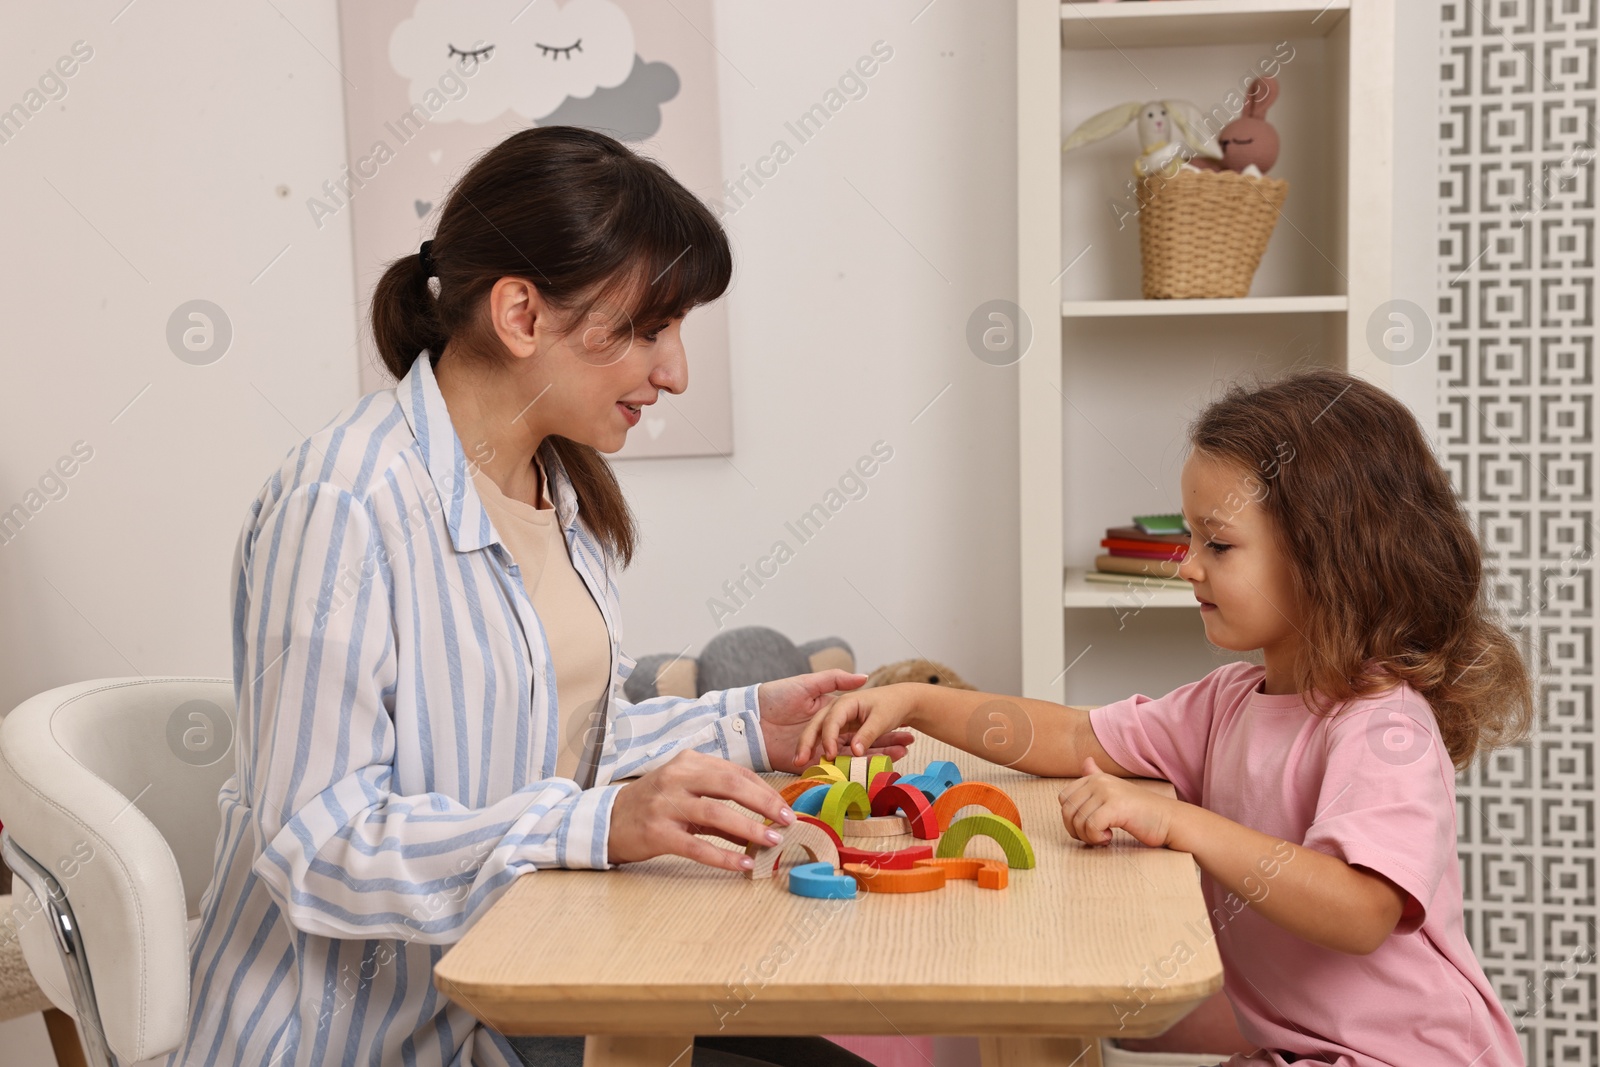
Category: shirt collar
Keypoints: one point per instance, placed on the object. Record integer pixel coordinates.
(424, 408)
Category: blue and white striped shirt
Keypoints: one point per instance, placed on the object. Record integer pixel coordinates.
(396, 747)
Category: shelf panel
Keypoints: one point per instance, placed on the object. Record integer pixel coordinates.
(1247, 305)
(1079, 592)
(1196, 22)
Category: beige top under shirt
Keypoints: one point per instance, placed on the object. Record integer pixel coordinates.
(580, 646)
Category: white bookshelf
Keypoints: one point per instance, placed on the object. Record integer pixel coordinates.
(1080, 592)
(1249, 305)
(1196, 22)
(1111, 380)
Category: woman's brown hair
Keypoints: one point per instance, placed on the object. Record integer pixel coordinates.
(1383, 555)
(588, 222)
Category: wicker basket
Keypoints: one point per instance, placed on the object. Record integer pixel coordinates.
(1201, 233)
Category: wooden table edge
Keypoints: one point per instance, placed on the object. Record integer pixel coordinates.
(943, 1011)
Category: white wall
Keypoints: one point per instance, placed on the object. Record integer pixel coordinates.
(152, 182)
(857, 266)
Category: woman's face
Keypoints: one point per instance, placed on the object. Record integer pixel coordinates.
(592, 382)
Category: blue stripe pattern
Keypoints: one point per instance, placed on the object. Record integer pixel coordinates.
(395, 751)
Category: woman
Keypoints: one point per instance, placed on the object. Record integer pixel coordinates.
(427, 640)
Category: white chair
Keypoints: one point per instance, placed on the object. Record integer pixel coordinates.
(108, 793)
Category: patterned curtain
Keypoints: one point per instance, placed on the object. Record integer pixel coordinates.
(1516, 287)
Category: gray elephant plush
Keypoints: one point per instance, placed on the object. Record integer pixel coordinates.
(748, 655)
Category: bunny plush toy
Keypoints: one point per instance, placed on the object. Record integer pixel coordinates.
(1170, 132)
(1249, 143)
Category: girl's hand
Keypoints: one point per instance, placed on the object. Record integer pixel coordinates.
(860, 719)
(1097, 802)
(789, 708)
(660, 813)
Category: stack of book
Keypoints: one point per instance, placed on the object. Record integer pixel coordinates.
(1146, 553)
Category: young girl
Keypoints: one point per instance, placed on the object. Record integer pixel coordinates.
(1319, 787)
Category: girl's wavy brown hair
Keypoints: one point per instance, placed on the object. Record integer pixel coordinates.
(1383, 555)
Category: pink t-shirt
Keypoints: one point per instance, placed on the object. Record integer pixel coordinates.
(1371, 785)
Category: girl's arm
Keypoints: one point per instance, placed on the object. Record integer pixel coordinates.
(1035, 736)
(1313, 895)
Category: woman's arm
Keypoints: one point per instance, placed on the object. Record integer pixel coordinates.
(641, 737)
(343, 852)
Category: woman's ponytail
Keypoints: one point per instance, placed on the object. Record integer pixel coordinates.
(405, 316)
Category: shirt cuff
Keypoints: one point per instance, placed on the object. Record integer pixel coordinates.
(585, 840)
(739, 729)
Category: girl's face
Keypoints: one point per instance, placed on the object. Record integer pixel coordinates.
(1240, 576)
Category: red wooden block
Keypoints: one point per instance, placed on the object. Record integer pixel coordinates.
(899, 860)
(882, 779)
(911, 801)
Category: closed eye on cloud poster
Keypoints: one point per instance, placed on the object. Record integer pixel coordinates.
(430, 85)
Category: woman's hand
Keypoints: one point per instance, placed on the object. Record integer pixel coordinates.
(660, 813)
(860, 719)
(1097, 802)
(789, 708)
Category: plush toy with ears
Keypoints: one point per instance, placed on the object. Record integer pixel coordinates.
(1170, 132)
(751, 655)
(916, 670)
(748, 655)
(1249, 143)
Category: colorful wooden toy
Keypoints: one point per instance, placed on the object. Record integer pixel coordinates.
(813, 839)
(818, 881)
(819, 824)
(989, 874)
(842, 762)
(898, 860)
(903, 798)
(882, 826)
(810, 802)
(826, 771)
(1019, 852)
(882, 880)
(844, 798)
(877, 765)
(964, 794)
(879, 781)
(861, 770)
(944, 772)
(793, 791)
(929, 788)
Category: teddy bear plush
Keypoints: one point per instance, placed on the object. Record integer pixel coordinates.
(916, 670)
(750, 655)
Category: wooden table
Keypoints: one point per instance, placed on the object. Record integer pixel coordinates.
(1112, 940)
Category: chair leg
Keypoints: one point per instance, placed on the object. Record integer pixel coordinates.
(64, 1038)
